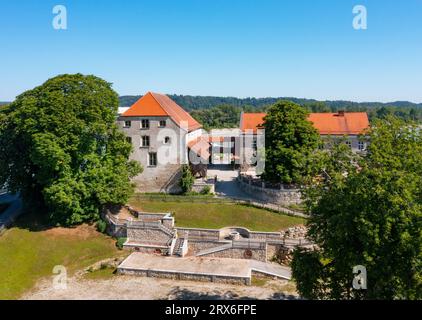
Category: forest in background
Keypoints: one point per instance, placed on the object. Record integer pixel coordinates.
(224, 112)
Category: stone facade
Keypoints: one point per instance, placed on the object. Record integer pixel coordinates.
(155, 178)
(168, 142)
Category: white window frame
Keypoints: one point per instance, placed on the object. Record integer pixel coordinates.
(147, 139)
(142, 124)
(149, 159)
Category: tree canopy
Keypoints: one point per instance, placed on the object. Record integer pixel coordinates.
(290, 140)
(61, 149)
(368, 212)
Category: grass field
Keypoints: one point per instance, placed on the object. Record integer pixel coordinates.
(219, 215)
(29, 252)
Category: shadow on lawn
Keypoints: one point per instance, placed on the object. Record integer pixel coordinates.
(35, 221)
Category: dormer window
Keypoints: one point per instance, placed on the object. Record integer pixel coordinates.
(145, 124)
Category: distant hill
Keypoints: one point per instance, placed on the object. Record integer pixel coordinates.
(2, 103)
(191, 103)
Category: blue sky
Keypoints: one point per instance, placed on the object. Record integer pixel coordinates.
(243, 48)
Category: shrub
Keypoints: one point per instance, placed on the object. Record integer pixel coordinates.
(120, 242)
(187, 180)
(206, 190)
(101, 226)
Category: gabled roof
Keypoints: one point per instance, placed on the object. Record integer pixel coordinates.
(342, 123)
(156, 105)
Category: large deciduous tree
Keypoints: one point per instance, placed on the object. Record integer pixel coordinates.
(290, 140)
(367, 213)
(61, 149)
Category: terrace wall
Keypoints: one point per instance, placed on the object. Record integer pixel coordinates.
(258, 190)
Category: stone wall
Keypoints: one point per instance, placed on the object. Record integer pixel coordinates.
(158, 250)
(241, 253)
(195, 246)
(117, 231)
(283, 197)
(147, 236)
(196, 233)
(255, 235)
(279, 253)
(186, 276)
(199, 185)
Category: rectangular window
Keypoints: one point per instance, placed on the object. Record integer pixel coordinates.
(162, 123)
(361, 145)
(349, 143)
(145, 124)
(152, 161)
(127, 124)
(255, 144)
(145, 141)
(129, 139)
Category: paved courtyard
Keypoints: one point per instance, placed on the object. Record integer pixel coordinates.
(206, 266)
(227, 185)
(196, 265)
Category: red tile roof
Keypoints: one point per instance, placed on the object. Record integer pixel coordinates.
(157, 105)
(347, 123)
(340, 123)
(251, 121)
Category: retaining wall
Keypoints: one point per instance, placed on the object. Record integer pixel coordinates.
(282, 197)
(240, 253)
(185, 276)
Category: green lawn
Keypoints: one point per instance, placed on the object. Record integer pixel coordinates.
(29, 252)
(219, 215)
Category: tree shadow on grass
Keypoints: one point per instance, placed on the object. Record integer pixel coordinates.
(32, 221)
(178, 293)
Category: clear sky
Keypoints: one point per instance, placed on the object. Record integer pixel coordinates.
(243, 48)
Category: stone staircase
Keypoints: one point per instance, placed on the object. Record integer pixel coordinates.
(178, 247)
(163, 178)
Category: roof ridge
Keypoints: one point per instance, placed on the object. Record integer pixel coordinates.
(153, 95)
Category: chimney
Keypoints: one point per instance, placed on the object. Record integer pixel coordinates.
(341, 113)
